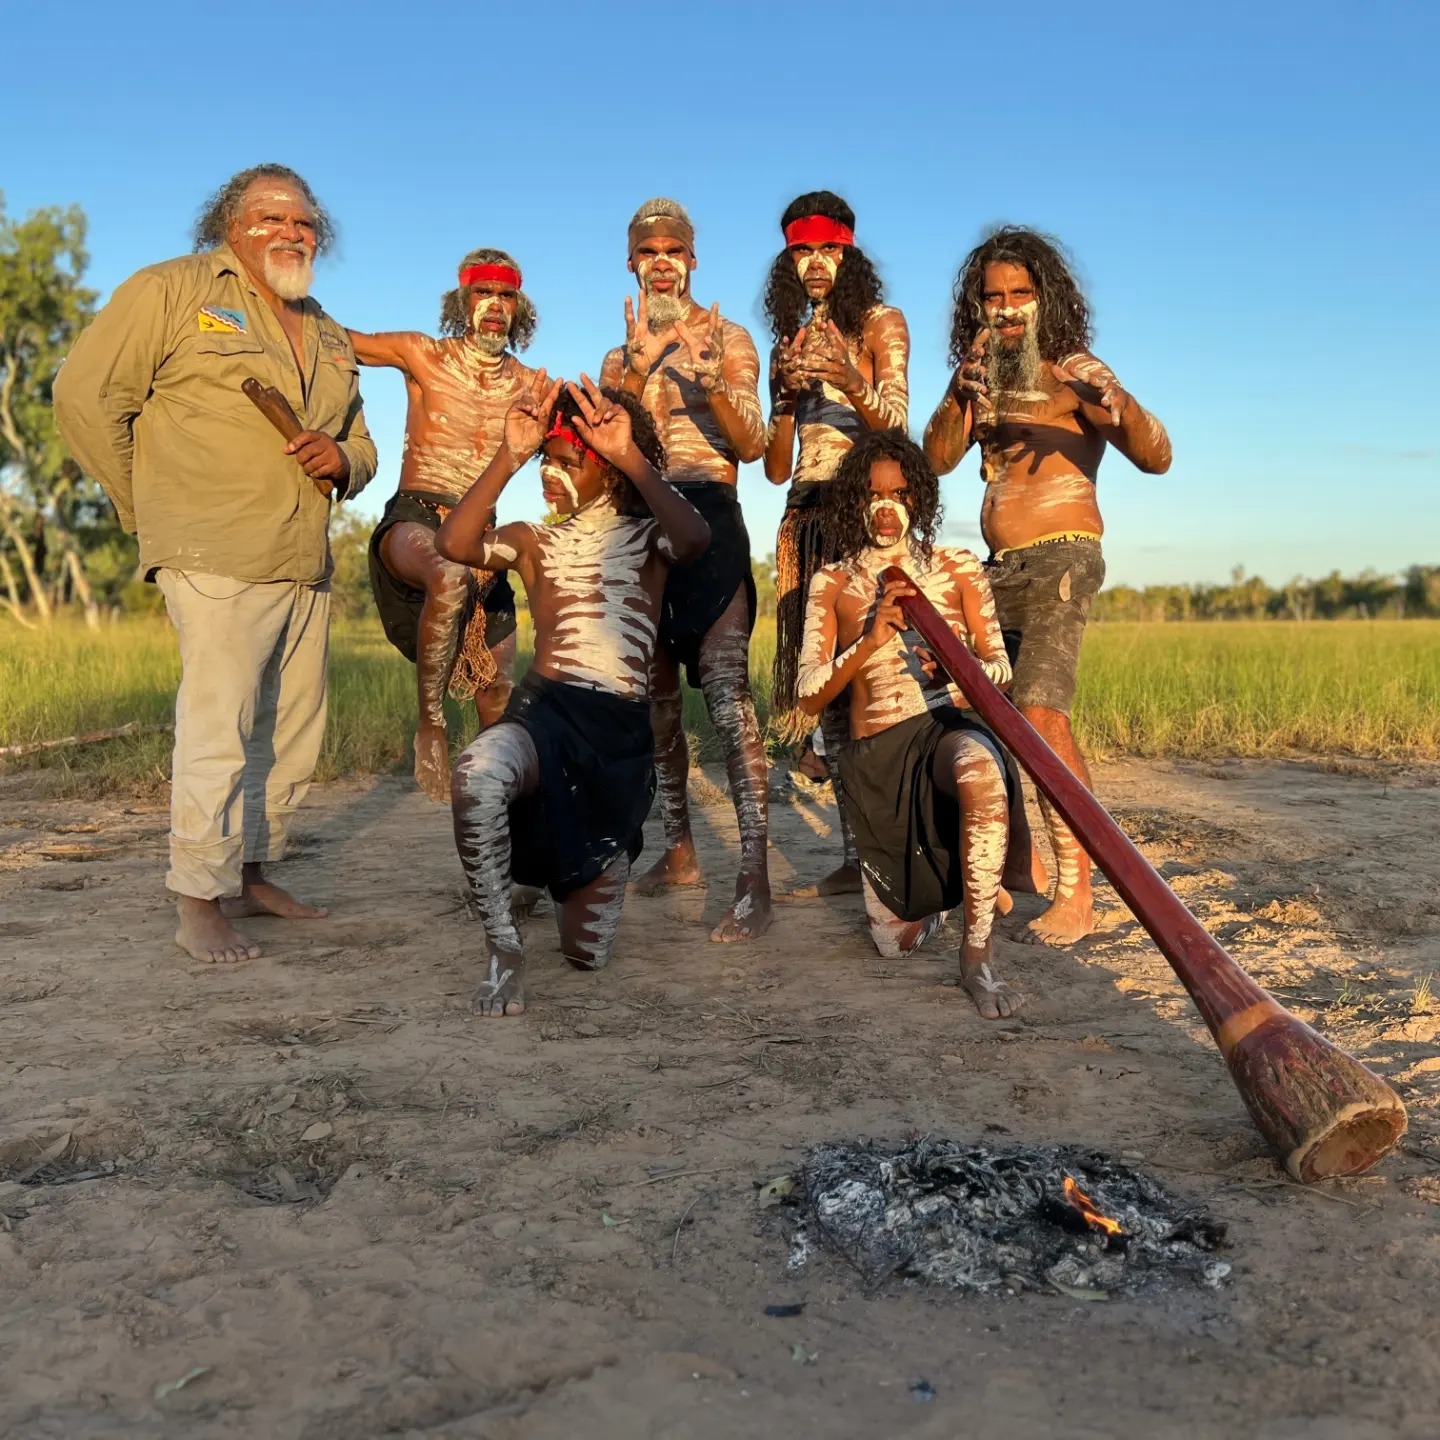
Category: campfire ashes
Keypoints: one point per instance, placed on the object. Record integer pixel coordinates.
(989, 1218)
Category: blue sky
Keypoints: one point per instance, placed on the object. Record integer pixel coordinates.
(1250, 191)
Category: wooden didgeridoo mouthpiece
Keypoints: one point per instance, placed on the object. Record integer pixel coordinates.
(1324, 1113)
(273, 406)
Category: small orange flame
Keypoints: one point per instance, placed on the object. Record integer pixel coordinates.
(1086, 1206)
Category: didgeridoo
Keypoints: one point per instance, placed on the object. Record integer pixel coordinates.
(273, 406)
(1324, 1113)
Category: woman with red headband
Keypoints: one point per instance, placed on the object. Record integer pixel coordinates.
(838, 370)
(457, 627)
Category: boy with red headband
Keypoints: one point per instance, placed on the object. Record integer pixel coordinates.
(838, 371)
(457, 626)
(697, 375)
(559, 790)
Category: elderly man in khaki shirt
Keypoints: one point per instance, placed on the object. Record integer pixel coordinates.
(233, 522)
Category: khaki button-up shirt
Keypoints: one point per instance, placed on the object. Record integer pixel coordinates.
(149, 402)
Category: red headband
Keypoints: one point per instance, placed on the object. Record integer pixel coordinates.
(560, 431)
(818, 230)
(474, 274)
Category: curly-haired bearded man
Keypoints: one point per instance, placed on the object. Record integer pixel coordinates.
(454, 624)
(838, 371)
(1042, 408)
(233, 522)
(698, 374)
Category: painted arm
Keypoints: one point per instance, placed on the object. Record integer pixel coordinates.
(467, 535)
(823, 674)
(105, 382)
(977, 604)
(1115, 413)
(780, 433)
(950, 431)
(395, 348)
(885, 405)
(733, 390)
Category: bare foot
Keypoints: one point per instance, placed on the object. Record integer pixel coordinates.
(258, 896)
(1025, 873)
(1004, 901)
(523, 899)
(993, 998)
(432, 762)
(679, 867)
(1062, 923)
(843, 881)
(205, 934)
(502, 992)
(749, 917)
(912, 936)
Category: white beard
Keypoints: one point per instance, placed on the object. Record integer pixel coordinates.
(1015, 372)
(662, 311)
(288, 281)
(487, 342)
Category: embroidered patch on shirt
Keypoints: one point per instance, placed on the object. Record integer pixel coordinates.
(231, 322)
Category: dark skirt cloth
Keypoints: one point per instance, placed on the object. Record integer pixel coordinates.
(800, 552)
(906, 828)
(399, 604)
(698, 593)
(597, 779)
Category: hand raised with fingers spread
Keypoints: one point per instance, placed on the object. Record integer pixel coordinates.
(603, 425)
(1093, 381)
(970, 382)
(787, 365)
(830, 362)
(529, 417)
(642, 349)
(707, 355)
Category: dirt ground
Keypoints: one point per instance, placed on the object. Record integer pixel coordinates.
(336, 1206)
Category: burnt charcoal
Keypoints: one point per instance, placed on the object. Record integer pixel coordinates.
(990, 1217)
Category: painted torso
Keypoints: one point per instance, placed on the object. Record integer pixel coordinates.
(456, 417)
(891, 686)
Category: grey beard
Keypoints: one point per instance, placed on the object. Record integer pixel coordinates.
(287, 281)
(489, 344)
(1014, 371)
(662, 311)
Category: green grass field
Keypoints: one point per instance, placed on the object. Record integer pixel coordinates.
(1367, 688)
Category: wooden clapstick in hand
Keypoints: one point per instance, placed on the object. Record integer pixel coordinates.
(273, 406)
(277, 410)
(1324, 1113)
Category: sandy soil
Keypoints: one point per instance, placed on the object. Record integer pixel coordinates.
(365, 1213)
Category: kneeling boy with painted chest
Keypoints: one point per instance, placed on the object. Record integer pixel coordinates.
(558, 790)
(924, 779)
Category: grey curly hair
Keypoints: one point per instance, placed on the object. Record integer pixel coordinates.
(224, 205)
(455, 304)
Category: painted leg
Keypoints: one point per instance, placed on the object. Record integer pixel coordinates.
(1024, 869)
(679, 865)
(408, 551)
(895, 938)
(495, 771)
(966, 768)
(1071, 914)
(844, 880)
(725, 679)
(588, 919)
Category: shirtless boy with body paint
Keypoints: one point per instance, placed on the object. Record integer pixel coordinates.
(561, 785)
(1043, 409)
(456, 627)
(924, 779)
(838, 370)
(697, 375)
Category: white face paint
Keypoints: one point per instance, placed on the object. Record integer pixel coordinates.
(999, 314)
(882, 502)
(556, 477)
(807, 260)
(490, 307)
(666, 308)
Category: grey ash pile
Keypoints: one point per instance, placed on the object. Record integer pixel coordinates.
(989, 1218)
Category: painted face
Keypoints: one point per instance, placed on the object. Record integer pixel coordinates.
(1010, 302)
(889, 515)
(570, 479)
(273, 233)
(816, 266)
(492, 313)
(663, 265)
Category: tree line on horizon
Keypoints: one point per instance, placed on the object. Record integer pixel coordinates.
(62, 549)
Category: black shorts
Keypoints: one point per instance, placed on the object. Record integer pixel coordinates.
(400, 604)
(1043, 595)
(699, 592)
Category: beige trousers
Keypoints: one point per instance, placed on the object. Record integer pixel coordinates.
(249, 718)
